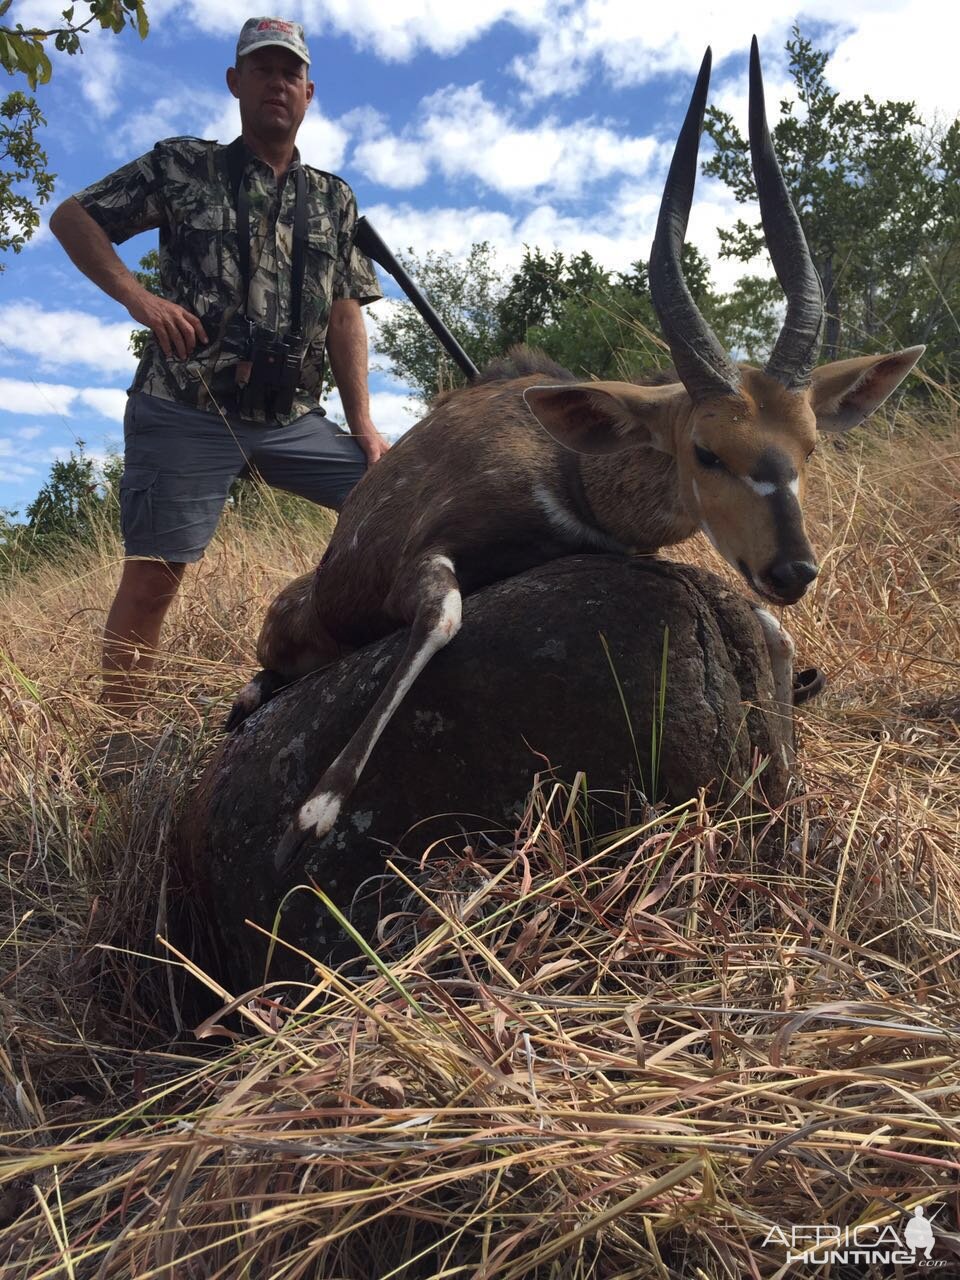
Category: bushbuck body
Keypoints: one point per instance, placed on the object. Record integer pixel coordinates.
(526, 465)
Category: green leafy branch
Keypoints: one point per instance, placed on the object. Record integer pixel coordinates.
(23, 50)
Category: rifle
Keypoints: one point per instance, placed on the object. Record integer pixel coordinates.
(368, 241)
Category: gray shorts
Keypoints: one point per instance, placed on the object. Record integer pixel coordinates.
(179, 464)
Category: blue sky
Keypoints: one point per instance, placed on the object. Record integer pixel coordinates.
(538, 122)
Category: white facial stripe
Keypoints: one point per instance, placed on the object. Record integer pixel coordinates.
(766, 488)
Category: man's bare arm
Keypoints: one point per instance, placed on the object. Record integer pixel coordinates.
(89, 248)
(347, 348)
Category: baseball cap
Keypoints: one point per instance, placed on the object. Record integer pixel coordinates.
(257, 33)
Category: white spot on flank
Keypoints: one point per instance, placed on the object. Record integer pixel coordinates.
(320, 812)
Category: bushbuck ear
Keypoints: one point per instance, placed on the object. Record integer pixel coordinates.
(605, 417)
(847, 391)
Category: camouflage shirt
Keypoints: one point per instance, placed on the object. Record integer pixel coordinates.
(183, 187)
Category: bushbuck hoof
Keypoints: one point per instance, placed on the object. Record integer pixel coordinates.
(253, 695)
(808, 684)
(314, 820)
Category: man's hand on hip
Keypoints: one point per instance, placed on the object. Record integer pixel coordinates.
(175, 329)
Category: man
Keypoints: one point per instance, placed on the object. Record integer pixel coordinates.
(233, 367)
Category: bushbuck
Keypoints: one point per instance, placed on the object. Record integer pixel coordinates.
(527, 464)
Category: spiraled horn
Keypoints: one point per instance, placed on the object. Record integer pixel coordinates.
(796, 349)
(700, 360)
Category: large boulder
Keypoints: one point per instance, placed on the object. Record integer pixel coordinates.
(557, 669)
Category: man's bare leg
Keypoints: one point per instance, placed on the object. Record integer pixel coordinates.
(132, 630)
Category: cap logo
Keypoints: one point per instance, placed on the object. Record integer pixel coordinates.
(260, 33)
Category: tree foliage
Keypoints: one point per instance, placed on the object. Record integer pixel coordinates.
(149, 277)
(595, 322)
(22, 161)
(465, 295)
(25, 181)
(77, 505)
(876, 191)
(24, 49)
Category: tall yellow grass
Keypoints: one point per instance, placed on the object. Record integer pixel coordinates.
(635, 1058)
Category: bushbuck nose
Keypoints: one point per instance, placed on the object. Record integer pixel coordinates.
(790, 578)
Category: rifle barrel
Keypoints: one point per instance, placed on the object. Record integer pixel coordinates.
(368, 241)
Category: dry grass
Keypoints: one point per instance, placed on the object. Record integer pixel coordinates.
(562, 1060)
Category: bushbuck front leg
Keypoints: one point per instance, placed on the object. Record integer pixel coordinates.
(428, 594)
(292, 643)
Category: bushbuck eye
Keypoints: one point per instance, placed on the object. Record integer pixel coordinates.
(707, 459)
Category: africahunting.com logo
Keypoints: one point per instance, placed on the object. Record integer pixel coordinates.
(888, 1244)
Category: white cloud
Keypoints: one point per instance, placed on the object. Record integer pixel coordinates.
(42, 14)
(58, 339)
(223, 121)
(392, 161)
(29, 433)
(394, 32)
(42, 399)
(887, 48)
(13, 472)
(462, 134)
(36, 398)
(101, 70)
(632, 44)
(171, 115)
(107, 401)
(392, 413)
(322, 142)
(906, 52)
(617, 235)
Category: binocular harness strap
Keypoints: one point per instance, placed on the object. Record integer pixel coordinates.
(235, 163)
